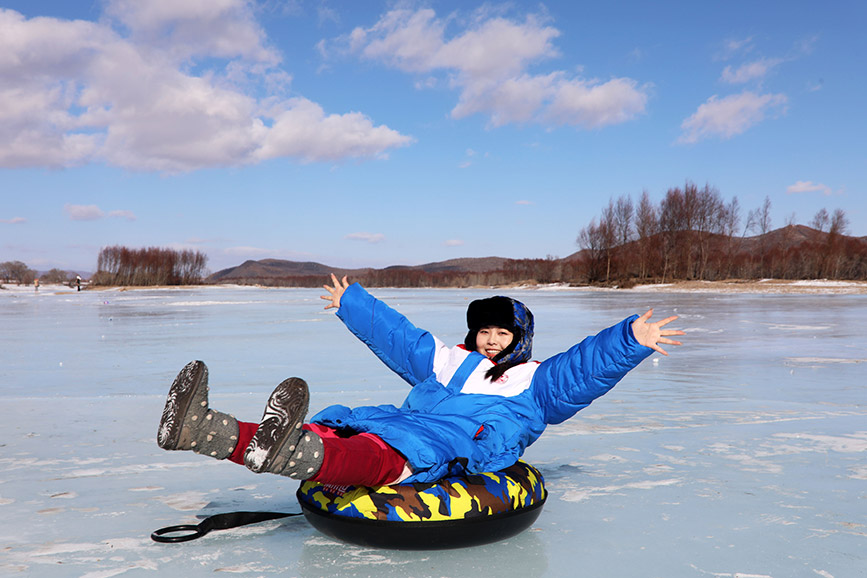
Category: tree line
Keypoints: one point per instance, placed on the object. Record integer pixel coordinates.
(694, 234)
(19, 273)
(149, 266)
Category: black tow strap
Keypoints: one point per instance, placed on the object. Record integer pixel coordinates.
(216, 522)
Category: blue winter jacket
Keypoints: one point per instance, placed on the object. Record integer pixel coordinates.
(456, 421)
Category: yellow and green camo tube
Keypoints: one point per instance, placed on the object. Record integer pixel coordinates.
(452, 512)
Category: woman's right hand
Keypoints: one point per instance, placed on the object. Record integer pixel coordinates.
(335, 291)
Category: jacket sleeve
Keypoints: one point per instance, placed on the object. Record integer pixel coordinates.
(570, 381)
(404, 348)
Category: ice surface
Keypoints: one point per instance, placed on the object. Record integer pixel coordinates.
(744, 453)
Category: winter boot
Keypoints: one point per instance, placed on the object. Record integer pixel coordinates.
(189, 424)
(280, 445)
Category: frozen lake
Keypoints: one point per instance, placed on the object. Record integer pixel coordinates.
(744, 453)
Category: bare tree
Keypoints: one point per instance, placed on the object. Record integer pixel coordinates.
(646, 228)
(836, 251)
(16, 271)
(622, 215)
(821, 220)
(598, 241)
(731, 219)
(839, 223)
(56, 276)
(608, 230)
(673, 221)
(760, 221)
(708, 221)
(763, 218)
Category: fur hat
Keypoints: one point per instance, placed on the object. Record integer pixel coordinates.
(509, 314)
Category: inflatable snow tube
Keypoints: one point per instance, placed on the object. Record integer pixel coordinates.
(451, 513)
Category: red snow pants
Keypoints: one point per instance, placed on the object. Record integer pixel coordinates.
(357, 460)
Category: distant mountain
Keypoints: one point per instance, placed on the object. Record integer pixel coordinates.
(464, 265)
(280, 272)
(500, 270)
(278, 269)
(790, 236)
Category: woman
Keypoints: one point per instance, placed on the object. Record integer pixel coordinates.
(473, 408)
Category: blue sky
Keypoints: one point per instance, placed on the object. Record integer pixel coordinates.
(379, 133)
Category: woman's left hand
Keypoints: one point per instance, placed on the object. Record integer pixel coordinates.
(652, 334)
(336, 291)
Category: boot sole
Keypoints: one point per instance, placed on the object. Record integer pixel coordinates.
(280, 426)
(191, 378)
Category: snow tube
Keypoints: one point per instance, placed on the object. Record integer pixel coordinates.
(451, 513)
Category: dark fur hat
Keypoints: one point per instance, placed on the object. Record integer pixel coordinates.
(493, 311)
(509, 314)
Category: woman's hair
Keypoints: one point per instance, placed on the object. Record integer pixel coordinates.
(509, 314)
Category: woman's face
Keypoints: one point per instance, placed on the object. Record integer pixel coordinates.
(490, 341)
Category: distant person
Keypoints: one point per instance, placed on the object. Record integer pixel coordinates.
(78, 282)
(36, 284)
(473, 408)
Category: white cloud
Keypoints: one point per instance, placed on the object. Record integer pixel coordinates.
(730, 116)
(524, 202)
(14, 221)
(211, 28)
(636, 55)
(366, 237)
(123, 91)
(327, 14)
(735, 46)
(807, 45)
(84, 212)
(302, 129)
(454, 243)
(808, 187)
(94, 213)
(128, 215)
(467, 162)
(426, 83)
(408, 40)
(594, 105)
(488, 64)
(755, 70)
(507, 100)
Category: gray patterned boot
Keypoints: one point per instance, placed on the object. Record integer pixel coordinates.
(280, 445)
(189, 424)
